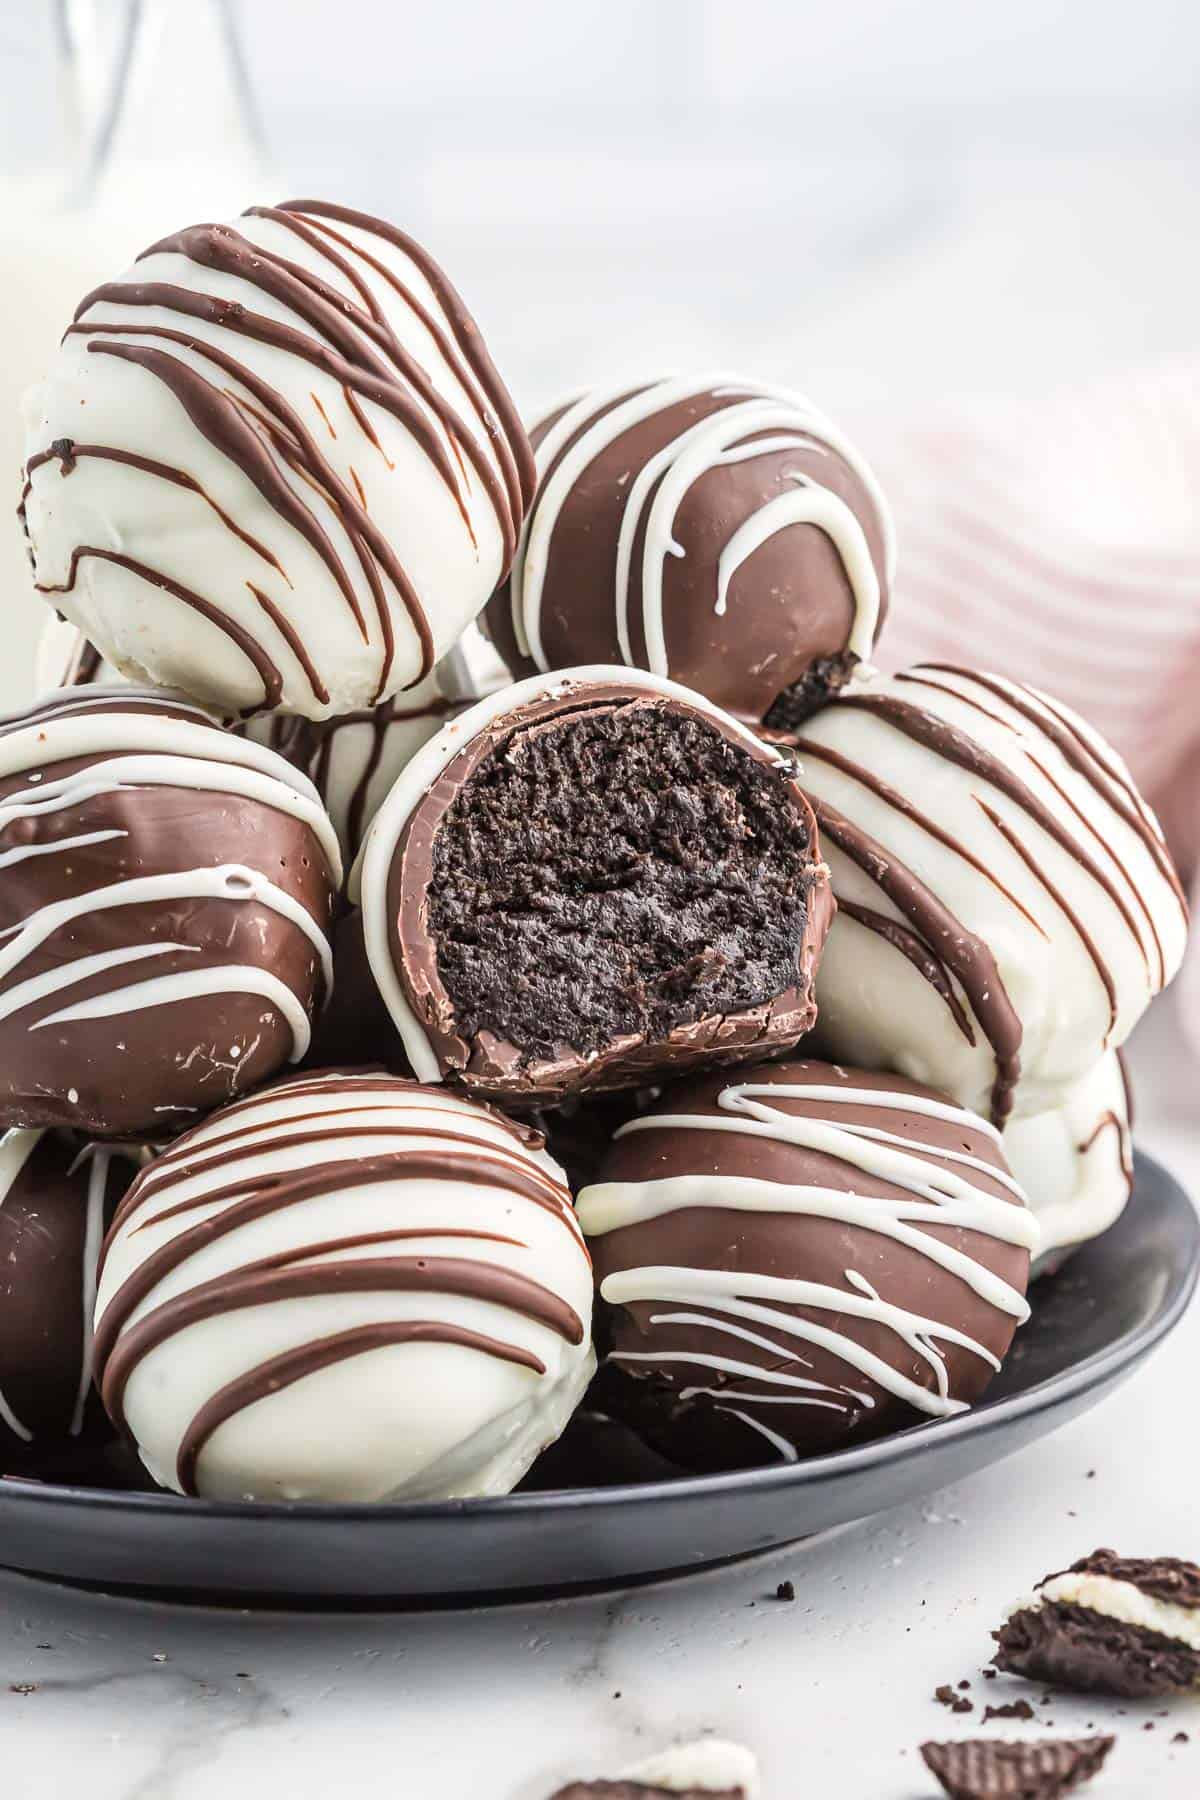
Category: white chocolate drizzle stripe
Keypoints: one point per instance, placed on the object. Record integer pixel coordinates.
(607, 1206)
(873, 1152)
(188, 984)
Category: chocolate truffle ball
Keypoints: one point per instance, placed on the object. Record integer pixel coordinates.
(1075, 1163)
(1007, 907)
(801, 1256)
(273, 465)
(587, 879)
(715, 530)
(348, 1287)
(167, 895)
(56, 1195)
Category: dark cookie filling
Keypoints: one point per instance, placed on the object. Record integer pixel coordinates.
(1074, 1647)
(827, 676)
(621, 871)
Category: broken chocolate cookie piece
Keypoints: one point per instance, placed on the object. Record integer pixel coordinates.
(1128, 1626)
(997, 1769)
(708, 1769)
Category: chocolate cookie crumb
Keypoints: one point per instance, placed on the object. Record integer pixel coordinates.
(1012, 1709)
(948, 1697)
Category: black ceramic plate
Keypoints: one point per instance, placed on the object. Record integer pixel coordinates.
(1092, 1324)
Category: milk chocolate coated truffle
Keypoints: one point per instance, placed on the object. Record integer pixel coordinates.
(348, 1287)
(800, 1256)
(714, 530)
(587, 879)
(56, 1195)
(273, 464)
(164, 912)
(1007, 907)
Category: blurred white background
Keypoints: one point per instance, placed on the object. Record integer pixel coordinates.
(897, 205)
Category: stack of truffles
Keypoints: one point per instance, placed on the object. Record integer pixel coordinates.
(317, 969)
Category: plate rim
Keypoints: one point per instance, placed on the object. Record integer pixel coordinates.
(1093, 1371)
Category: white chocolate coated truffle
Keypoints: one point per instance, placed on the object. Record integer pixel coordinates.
(273, 466)
(1007, 907)
(1075, 1162)
(348, 1287)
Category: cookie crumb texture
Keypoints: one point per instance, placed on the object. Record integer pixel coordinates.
(620, 872)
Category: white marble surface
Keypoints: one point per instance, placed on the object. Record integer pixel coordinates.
(834, 1692)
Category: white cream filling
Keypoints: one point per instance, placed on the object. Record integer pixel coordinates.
(1119, 1600)
(708, 1763)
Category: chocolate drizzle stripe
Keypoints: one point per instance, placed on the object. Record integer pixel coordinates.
(1049, 718)
(290, 1366)
(1156, 981)
(358, 1083)
(505, 501)
(919, 954)
(195, 1153)
(262, 664)
(466, 333)
(1110, 1121)
(890, 796)
(218, 421)
(294, 642)
(521, 1176)
(363, 533)
(67, 452)
(967, 956)
(251, 1199)
(1006, 725)
(358, 369)
(1089, 943)
(947, 741)
(265, 1282)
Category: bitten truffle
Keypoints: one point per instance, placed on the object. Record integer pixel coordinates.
(715, 530)
(587, 880)
(799, 1257)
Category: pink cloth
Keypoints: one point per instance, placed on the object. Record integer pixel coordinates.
(1059, 543)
